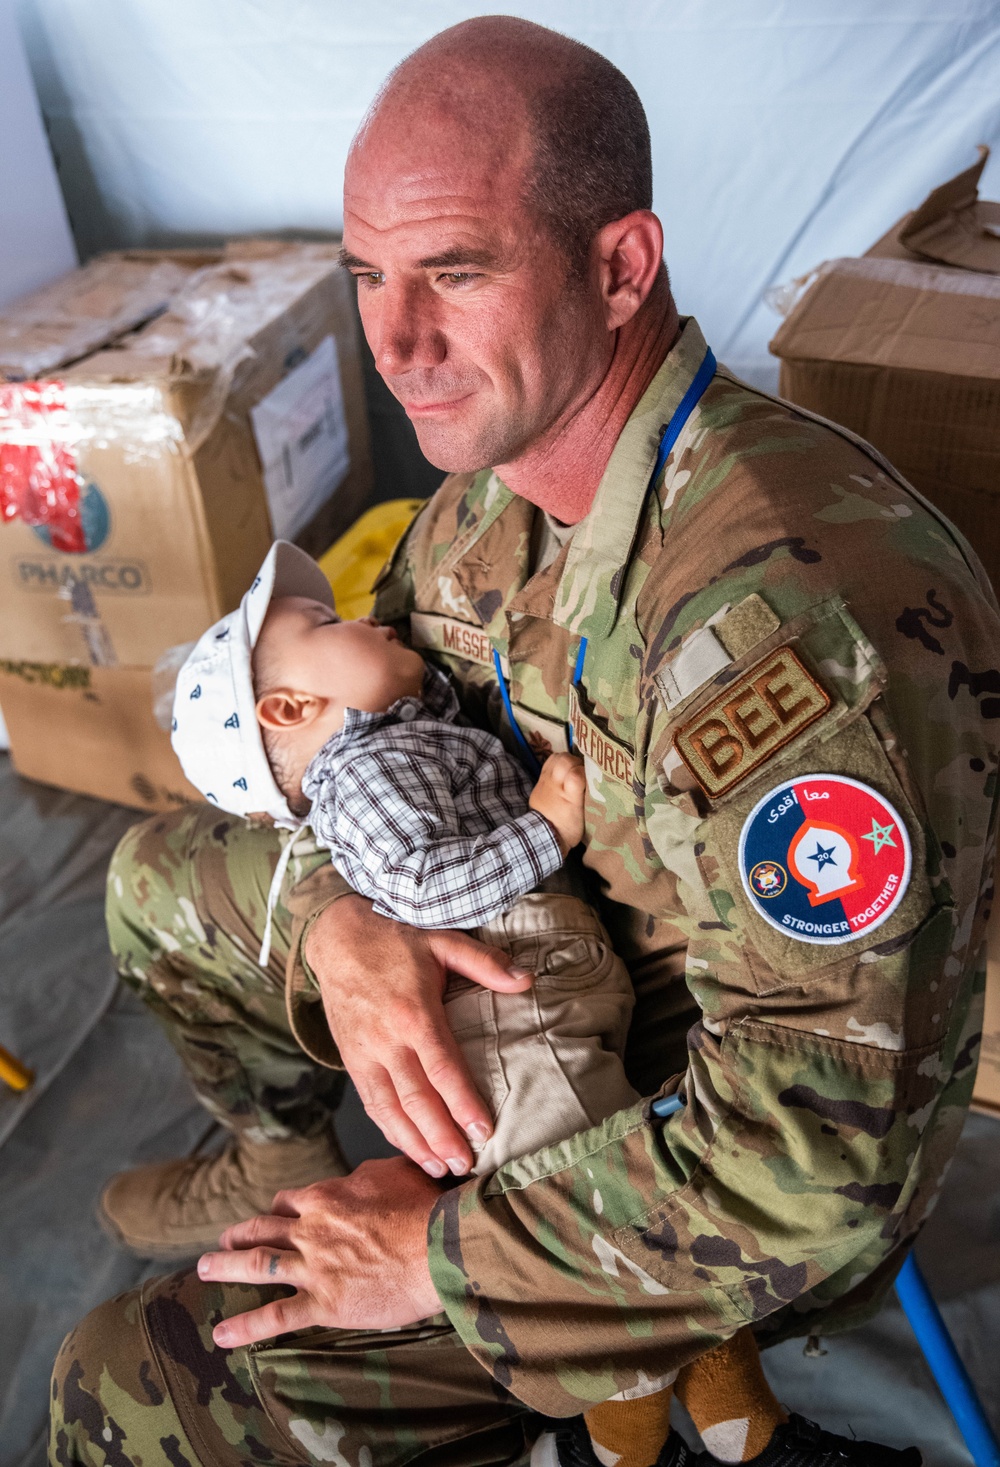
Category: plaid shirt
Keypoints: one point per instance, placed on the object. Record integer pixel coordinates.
(428, 818)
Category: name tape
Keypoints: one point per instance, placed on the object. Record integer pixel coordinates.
(750, 721)
(611, 757)
(454, 638)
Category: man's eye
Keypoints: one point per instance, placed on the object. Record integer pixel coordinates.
(370, 278)
(455, 278)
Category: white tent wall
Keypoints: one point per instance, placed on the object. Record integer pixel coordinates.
(784, 131)
(35, 240)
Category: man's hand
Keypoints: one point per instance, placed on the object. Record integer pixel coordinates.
(353, 1248)
(382, 984)
(559, 796)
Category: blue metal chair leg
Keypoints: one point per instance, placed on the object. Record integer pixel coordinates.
(946, 1366)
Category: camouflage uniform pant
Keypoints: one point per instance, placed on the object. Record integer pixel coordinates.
(140, 1379)
(140, 1383)
(187, 898)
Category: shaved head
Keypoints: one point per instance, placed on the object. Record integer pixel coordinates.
(581, 133)
(497, 220)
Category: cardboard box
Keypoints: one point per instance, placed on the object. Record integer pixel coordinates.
(145, 468)
(84, 310)
(91, 729)
(986, 1095)
(953, 226)
(906, 352)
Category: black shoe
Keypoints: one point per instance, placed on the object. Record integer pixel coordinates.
(675, 1452)
(575, 1449)
(573, 1445)
(801, 1443)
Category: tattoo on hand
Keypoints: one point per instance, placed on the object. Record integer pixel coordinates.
(272, 1267)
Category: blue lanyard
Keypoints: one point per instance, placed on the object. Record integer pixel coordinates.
(527, 751)
(577, 675)
(684, 409)
(673, 431)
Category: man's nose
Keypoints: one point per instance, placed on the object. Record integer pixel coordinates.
(402, 330)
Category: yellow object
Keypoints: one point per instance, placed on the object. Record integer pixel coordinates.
(352, 563)
(13, 1073)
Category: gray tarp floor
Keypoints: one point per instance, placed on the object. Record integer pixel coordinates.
(110, 1093)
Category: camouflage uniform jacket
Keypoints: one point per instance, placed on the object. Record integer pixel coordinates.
(780, 563)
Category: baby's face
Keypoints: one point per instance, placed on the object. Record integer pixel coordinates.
(355, 664)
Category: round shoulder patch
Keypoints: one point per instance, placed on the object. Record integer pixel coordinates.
(824, 858)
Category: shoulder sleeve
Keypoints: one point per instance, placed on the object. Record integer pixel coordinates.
(827, 1079)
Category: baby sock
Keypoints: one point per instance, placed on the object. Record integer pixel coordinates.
(727, 1396)
(630, 1433)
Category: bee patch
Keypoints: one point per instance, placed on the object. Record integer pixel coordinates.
(750, 720)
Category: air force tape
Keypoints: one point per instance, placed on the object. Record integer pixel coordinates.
(824, 858)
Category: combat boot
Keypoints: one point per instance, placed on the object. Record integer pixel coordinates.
(801, 1443)
(177, 1209)
(568, 1444)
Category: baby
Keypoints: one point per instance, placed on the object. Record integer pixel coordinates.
(282, 709)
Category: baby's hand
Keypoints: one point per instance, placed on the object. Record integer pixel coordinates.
(559, 796)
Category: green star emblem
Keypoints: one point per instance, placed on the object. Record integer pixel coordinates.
(880, 835)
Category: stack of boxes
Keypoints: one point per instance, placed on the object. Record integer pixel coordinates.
(903, 347)
(163, 416)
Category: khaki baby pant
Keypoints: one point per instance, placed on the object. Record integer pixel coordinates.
(548, 1062)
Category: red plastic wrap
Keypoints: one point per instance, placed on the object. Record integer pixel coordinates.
(39, 480)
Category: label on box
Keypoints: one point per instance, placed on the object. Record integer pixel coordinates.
(39, 482)
(301, 433)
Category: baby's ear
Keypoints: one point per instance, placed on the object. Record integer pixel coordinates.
(283, 709)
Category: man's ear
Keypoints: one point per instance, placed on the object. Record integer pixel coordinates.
(283, 709)
(629, 259)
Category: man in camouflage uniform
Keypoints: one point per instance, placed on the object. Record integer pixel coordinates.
(777, 606)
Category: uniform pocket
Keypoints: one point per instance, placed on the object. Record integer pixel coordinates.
(472, 1020)
(574, 962)
(556, 936)
(811, 1161)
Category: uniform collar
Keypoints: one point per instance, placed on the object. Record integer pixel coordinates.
(587, 599)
